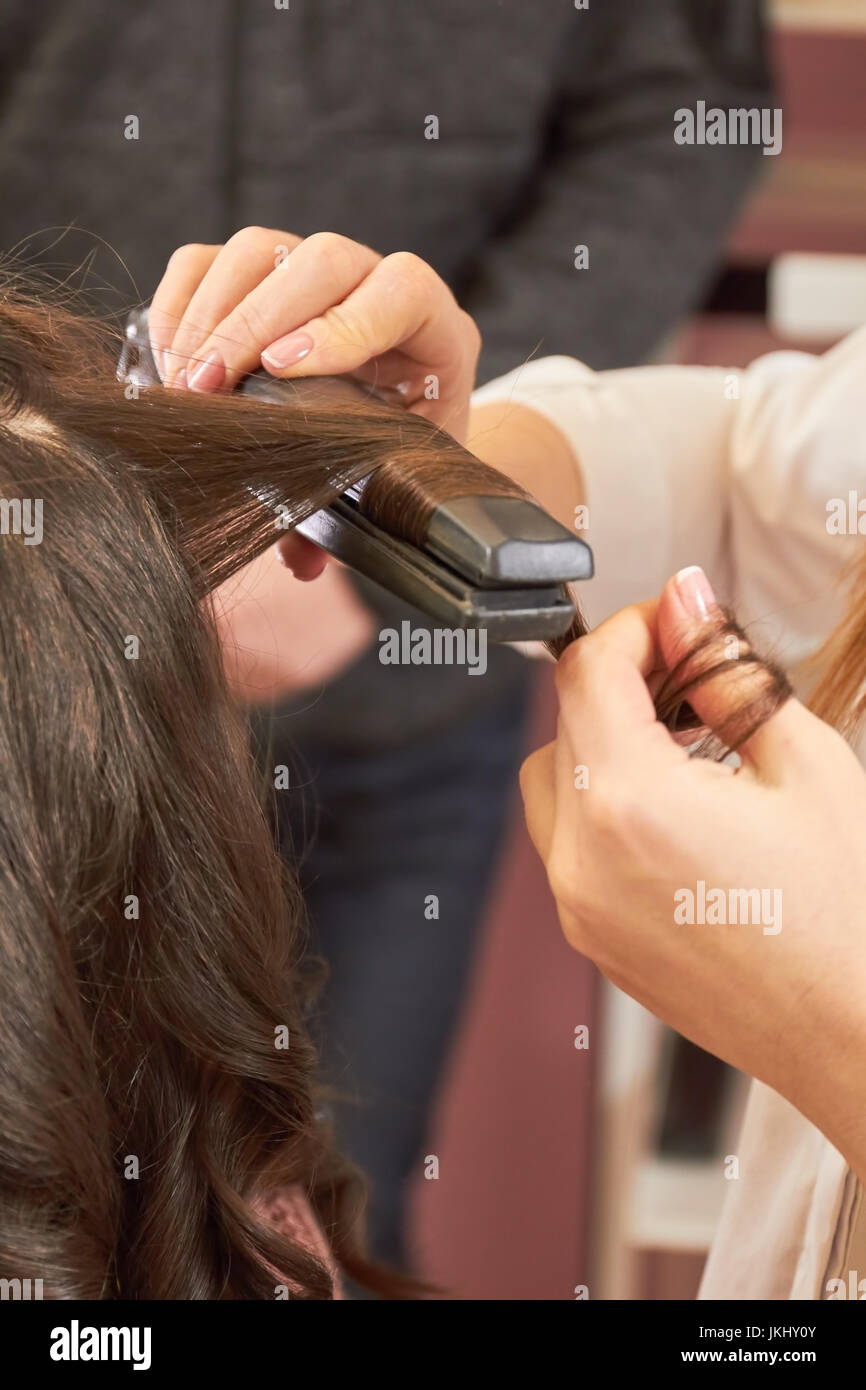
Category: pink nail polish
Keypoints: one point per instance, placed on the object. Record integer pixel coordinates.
(285, 352)
(179, 382)
(696, 594)
(208, 374)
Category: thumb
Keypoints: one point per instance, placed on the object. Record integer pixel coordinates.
(733, 690)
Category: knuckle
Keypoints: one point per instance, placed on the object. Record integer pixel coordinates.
(336, 253)
(525, 774)
(191, 252)
(611, 809)
(248, 325)
(472, 334)
(409, 268)
(624, 818)
(326, 241)
(345, 328)
(564, 881)
(246, 236)
(572, 665)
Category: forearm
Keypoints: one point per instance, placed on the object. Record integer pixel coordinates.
(530, 450)
(827, 1080)
(642, 454)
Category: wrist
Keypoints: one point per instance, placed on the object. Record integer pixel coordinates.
(830, 1082)
(527, 448)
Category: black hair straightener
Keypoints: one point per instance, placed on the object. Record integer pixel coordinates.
(490, 562)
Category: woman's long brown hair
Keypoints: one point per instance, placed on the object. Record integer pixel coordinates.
(150, 940)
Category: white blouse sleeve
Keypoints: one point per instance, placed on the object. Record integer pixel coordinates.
(732, 470)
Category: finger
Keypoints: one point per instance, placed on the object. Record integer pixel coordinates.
(742, 692)
(247, 259)
(401, 303)
(538, 789)
(605, 703)
(183, 274)
(244, 313)
(687, 730)
(303, 558)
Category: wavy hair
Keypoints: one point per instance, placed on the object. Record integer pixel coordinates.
(151, 941)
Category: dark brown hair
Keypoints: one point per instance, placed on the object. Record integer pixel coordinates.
(150, 940)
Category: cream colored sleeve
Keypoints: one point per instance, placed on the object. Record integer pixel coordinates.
(731, 470)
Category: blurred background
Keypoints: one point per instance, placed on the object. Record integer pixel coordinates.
(610, 1174)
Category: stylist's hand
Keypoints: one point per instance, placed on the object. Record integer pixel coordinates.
(318, 306)
(783, 999)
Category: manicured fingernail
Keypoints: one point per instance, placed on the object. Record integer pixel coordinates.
(285, 352)
(208, 374)
(695, 592)
(180, 380)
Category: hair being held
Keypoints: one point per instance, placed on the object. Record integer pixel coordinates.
(724, 652)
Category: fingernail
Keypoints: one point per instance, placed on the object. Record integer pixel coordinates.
(209, 374)
(180, 380)
(695, 592)
(285, 352)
